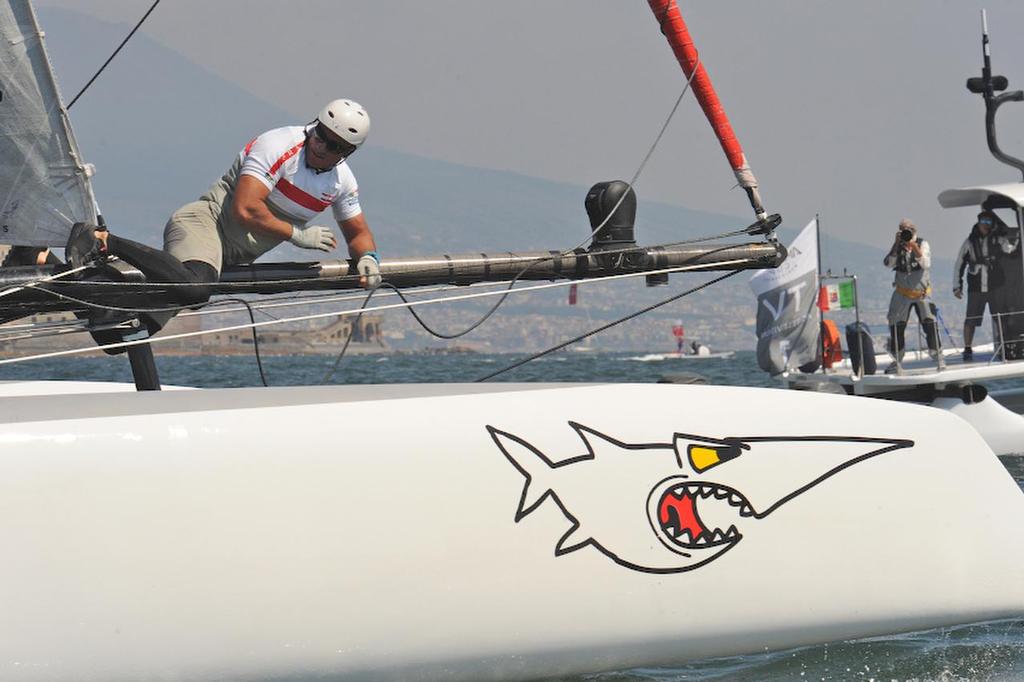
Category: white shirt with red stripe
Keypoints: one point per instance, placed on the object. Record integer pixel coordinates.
(277, 158)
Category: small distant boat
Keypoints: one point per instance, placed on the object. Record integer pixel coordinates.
(709, 355)
(696, 350)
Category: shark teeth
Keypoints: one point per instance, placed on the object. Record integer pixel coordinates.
(710, 535)
(710, 490)
(709, 538)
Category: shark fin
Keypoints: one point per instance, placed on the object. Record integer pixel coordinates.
(573, 539)
(531, 463)
(532, 496)
(600, 446)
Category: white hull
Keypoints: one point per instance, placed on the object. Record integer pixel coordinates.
(372, 531)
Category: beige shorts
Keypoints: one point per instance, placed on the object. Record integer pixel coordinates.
(195, 232)
(192, 234)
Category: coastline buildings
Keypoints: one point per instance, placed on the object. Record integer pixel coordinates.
(63, 331)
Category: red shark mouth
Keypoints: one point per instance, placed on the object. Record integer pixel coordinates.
(680, 521)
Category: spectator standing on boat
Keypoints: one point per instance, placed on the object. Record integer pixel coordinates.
(280, 181)
(979, 259)
(1006, 302)
(910, 258)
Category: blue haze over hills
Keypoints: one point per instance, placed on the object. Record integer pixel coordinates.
(160, 129)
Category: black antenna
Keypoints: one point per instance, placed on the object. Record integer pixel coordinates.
(987, 86)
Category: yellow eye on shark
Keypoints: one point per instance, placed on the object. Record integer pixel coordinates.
(698, 495)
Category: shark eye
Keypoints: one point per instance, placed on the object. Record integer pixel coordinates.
(703, 457)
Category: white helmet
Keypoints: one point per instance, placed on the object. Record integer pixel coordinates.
(346, 119)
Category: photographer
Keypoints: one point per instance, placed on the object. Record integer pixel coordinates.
(910, 258)
(979, 257)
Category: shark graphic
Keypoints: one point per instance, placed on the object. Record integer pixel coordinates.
(673, 507)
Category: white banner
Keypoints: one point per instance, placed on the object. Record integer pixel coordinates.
(802, 257)
(787, 319)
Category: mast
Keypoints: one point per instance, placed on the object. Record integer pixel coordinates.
(675, 30)
(817, 291)
(987, 86)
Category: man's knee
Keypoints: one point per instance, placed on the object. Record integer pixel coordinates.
(201, 271)
(200, 274)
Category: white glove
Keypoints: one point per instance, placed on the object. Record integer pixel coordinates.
(313, 237)
(368, 267)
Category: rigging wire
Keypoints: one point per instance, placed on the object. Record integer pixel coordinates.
(643, 163)
(255, 339)
(111, 57)
(392, 306)
(566, 252)
(38, 329)
(28, 331)
(42, 280)
(348, 339)
(605, 327)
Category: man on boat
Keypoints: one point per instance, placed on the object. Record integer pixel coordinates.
(910, 258)
(277, 183)
(979, 258)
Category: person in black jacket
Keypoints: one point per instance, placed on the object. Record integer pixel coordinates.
(978, 258)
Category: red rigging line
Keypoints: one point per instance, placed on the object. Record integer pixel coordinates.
(672, 25)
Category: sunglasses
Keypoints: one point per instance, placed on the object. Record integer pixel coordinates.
(985, 221)
(341, 147)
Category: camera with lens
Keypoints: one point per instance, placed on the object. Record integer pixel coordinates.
(906, 235)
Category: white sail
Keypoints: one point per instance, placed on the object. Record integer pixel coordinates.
(44, 185)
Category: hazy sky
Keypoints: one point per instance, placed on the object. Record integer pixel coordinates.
(854, 110)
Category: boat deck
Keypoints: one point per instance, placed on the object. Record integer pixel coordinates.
(918, 370)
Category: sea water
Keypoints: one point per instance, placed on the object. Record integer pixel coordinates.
(988, 651)
(429, 367)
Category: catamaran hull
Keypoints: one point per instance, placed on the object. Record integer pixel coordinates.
(498, 531)
(1001, 429)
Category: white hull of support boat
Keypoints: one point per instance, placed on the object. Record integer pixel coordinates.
(920, 380)
(1002, 429)
(918, 359)
(483, 531)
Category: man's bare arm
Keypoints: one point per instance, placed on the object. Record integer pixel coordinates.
(357, 235)
(249, 209)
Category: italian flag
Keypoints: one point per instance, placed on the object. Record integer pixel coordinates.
(836, 296)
